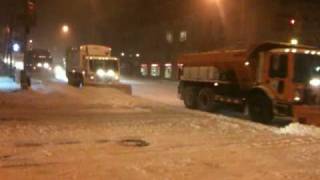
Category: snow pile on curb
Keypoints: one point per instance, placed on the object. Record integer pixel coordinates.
(299, 129)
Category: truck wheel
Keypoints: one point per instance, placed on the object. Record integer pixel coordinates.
(190, 97)
(204, 100)
(79, 83)
(260, 108)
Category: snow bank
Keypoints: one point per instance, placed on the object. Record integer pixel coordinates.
(8, 85)
(299, 130)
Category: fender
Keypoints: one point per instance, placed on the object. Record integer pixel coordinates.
(265, 90)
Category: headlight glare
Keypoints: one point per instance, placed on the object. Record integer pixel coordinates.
(111, 73)
(315, 82)
(100, 73)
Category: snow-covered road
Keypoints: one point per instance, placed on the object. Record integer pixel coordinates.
(59, 132)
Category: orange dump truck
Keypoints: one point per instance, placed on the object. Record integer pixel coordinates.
(268, 80)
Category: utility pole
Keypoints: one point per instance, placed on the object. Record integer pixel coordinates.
(29, 19)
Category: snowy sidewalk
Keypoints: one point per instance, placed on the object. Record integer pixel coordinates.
(8, 85)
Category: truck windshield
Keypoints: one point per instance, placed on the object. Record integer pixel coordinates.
(306, 67)
(105, 65)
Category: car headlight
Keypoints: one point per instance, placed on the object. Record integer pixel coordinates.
(111, 73)
(39, 65)
(315, 82)
(100, 73)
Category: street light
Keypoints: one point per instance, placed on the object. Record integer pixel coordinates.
(16, 47)
(65, 29)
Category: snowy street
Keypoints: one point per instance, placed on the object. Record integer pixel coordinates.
(55, 131)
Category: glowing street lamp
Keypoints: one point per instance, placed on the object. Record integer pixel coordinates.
(65, 29)
(16, 47)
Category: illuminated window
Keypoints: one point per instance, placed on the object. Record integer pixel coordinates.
(168, 71)
(183, 36)
(144, 70)
(155, 70)
(169, 37)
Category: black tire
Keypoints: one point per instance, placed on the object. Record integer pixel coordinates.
(79, 83)
(260, 108)
(75, 80)
(205, 101)
(190, 97)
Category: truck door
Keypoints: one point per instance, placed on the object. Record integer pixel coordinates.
(278, 74)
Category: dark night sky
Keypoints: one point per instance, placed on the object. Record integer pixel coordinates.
(118, 23)
(94, 21)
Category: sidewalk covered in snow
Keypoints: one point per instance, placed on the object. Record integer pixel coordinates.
(8, 85)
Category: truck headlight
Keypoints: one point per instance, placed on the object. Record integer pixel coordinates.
(298, 95)
(117, 77)
(46, 65)
(101, 73)
(111, 73)
(315, 82)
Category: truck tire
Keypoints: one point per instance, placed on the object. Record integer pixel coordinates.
(79, 83)
(190, 97)
(204, 100)
(260, 108)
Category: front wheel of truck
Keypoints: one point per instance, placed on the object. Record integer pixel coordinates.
(260, 108)
(189, 95)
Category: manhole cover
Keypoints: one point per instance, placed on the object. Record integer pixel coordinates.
(28, 144)
(134, 143)
(69, 142)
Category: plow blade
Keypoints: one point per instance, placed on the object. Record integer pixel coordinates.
(125, 88)
(307, 114)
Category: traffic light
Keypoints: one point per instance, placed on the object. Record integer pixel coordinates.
(31, 12)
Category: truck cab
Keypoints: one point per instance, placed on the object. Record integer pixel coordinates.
(38, 61)
(101, 70)
(92, 65)
(291, 77)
